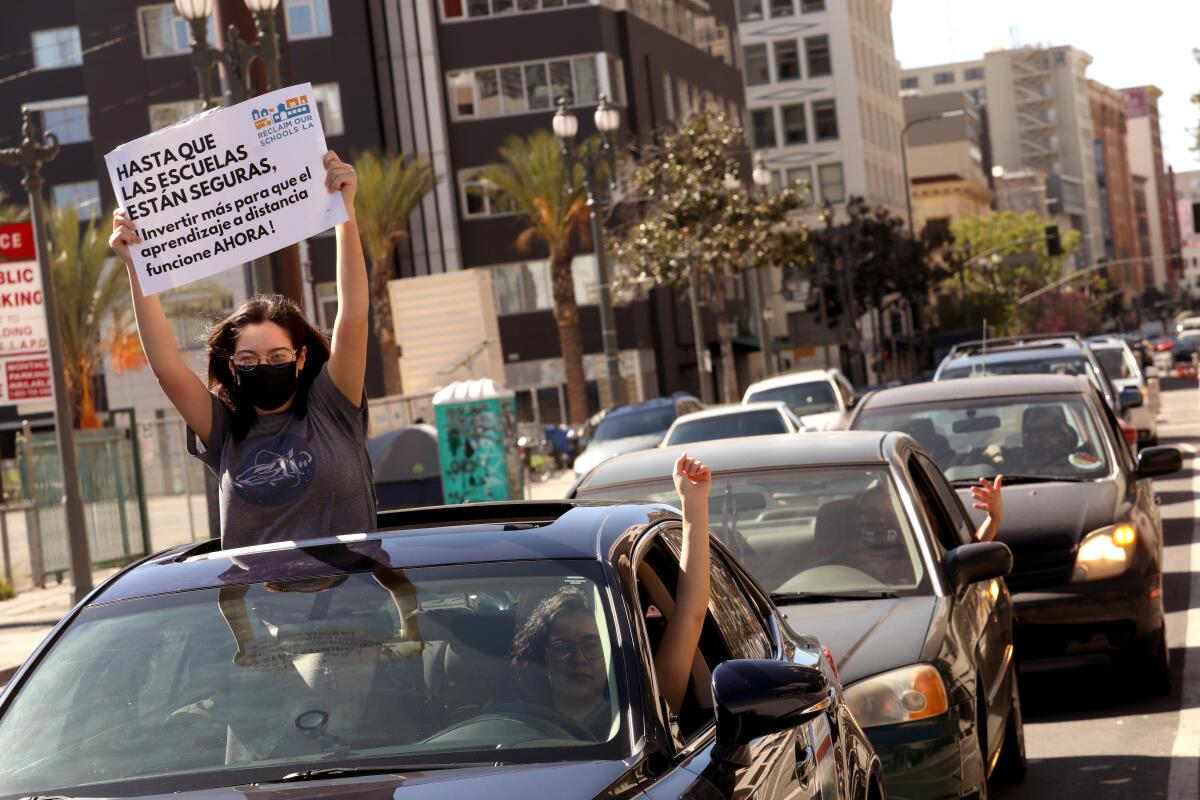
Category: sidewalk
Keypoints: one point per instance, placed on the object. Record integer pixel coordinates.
(26, 619)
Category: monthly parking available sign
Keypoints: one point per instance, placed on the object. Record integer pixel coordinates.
(24, 357)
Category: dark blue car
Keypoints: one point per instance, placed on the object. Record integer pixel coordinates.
(445, 656)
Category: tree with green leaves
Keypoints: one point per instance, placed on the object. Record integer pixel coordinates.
(11, 212)
(532, 180)
(389, 188)
(687, 226)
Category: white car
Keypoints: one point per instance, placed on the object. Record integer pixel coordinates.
(1122, 367)
(732, 422)
(820, 398)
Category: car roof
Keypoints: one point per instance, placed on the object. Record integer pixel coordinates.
(756, 452)
(1106, 342)
(654, 402)
(977, 387)
(732, 410)
(422, 537)
(790, 378)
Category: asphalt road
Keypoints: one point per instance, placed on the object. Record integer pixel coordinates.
(1092, 733)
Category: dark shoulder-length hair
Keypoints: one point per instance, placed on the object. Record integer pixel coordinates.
(531, 641)
(222, 344)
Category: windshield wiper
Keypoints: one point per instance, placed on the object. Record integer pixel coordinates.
(330, 773)
(830, 597)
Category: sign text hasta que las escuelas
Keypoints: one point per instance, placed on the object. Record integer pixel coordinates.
(225, 187)
(24, 354)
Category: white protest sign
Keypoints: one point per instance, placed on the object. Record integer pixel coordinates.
(24, 345)
(225, 187)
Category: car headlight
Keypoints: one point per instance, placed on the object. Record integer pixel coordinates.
(1104, 553)
(902, 695)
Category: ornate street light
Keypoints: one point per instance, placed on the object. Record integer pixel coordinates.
(566, 125)
(237, 56)
(761, 175)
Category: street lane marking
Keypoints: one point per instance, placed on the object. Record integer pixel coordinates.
(1184, 778)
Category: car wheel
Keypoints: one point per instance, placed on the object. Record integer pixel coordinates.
(1012, 764)
(981, 793)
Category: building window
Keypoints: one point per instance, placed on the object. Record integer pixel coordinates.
(973, 74)
(329, 108)
(825, 122)
(909, 83)
(808, 6)
(750, 10)
(820, 62)
(57, 47)
(668, 96)
(327, 304)
(85, 196)
(163, 115)
(762, 125)
(479, 196)
(795, 128)
(307, 19)
(758, 68)
(517, 88)
(787, 60)
(525, 286)
(473, 9)
(800, 179)
(942, 78)
(833, 185)
(67, 119)
(165, 33)
(783, 8)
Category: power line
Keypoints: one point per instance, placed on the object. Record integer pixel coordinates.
(84, 52)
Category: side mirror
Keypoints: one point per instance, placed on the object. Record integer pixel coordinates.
(1153, 462)
(1131, 397)
(978, 561)
(757, 697)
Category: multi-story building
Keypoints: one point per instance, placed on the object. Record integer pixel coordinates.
(946, 162)
(1115, 184)
(1146, 159)
(1141, 213)
(1021, 191)
(1187, 203)
(1039, 118)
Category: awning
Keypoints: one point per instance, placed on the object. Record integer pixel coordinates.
(751, 343)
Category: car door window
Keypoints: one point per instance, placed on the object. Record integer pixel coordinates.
(949, 500)
(942, 526)
(1114, 428)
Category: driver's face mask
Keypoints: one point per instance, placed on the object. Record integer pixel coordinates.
(879, 535)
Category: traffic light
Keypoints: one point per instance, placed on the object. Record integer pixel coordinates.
(1053, 243)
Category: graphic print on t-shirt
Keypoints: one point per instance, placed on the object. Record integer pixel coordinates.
(276, 473)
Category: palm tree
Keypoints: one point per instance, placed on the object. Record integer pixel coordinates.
(532, 180)
(389, 188)
(11, 212)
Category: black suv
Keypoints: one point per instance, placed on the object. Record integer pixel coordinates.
(1080, 513)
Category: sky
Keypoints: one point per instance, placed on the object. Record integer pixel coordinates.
(1131, 44)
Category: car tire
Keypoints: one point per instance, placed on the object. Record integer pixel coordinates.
(1012, 765)
(981, 793)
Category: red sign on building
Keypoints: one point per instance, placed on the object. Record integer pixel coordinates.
(24, 346)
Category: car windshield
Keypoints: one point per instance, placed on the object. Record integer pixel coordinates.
(814, 397)
(1112, 359)
(811, 530)
(728, 426)
(218, 687)
(644, 422)
(1069, 365)
(1050, 437)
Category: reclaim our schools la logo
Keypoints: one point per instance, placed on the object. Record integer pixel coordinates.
(291, 116)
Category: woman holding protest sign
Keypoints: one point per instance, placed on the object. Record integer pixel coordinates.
(283, 419)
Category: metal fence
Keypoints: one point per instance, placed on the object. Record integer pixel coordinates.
(114, 510)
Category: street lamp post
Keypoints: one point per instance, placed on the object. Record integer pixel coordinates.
(566, 126)
(29, 155)
(236, 55)
(762, 179)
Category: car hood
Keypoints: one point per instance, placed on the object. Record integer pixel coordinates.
(598, 451)
(865, 637)
(517, 782)
(1033, 512)
(825, 421)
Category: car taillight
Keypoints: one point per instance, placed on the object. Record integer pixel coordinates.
(1130, 433)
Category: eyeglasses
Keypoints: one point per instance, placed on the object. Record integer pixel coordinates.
(246, 360)
(563, 650)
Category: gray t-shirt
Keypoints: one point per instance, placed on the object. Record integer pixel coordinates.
(292, 478)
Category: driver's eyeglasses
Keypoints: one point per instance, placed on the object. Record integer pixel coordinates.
(563, 650)
(246, 360)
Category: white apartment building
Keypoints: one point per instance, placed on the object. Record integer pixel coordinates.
(821, 96)
(1187, 198)
(1039, 118)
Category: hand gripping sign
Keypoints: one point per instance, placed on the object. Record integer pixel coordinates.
(225, 187)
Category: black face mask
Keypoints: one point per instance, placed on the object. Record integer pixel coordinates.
(266, 386)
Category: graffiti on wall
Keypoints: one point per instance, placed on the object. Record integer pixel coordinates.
(476, 441)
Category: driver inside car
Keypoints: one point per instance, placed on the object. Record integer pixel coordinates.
(1047, 441)
(877, 544)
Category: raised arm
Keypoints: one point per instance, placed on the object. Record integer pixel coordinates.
(987, 498)
(183, 387)
(348, 359)
(673, 661)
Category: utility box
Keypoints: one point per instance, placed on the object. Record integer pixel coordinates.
(477, 443)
